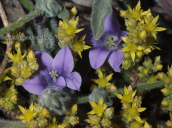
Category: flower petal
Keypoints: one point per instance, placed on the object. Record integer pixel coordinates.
(111, 24)
(115, 59)
(121, 34)
(74, 81)
(60, 82)
(35, 84)
(89, 35)
(63, 62)
(97, 57)
(44, 61)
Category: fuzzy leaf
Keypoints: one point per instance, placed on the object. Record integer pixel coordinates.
(64, 14)
(27, 4)
(101, 8)
(11, 124)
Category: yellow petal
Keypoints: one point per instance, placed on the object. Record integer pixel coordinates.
(138, 119)
(119, 95)
(21, 117)
(31, 107)
(95, 81)
(160, 29)
(85, 47)
(78, 30)
(155, 20)
(100, 74)
(91, 112)
(154, 35)
(134, 93)
(129, 8)
(128, 119)
(101, 102)
(22, 109)
(125, 90)
(124, 49)
(54, 120)
(109, 77)
(145, 12)
(79, 53)
(133, 56)
(140, 48)
(93, 104)
(138, 6)
(141, 109)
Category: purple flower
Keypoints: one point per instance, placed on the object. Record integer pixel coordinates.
(108, 45)
(54, 72)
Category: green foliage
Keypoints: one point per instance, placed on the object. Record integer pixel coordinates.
(11, 124)
(27, 4)
(101, 8)
(20, 22)
(53, 8)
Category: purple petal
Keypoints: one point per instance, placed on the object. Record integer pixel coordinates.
(89, 39)
(45, 64)
(60, 82)
(111, 24)
(35, 84)
(73, 81)
(97, 57)
(121, 34)
(63, 62)
(115, 59)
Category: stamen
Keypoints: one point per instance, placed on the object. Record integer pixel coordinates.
(54, 75)
(110, 41)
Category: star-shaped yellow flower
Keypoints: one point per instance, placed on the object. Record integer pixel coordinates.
(79, 45)
(4, 76)
(127, 96)
(28, 114)
(151, 25)
(97, 109)
(132, 49)
(133, 112)
(102, 81)
(136, 12)
(16, 58)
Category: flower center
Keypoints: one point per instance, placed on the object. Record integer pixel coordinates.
(54, 75)
(110, 42)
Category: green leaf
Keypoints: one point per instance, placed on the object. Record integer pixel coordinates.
(64, 14)
(11, 124)
(27, 4)
(20, 22)
(101, 8)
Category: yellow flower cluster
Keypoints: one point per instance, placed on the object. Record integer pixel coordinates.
(146, 72)
(131, 108)
(67, 33)
(38, 117)
(23, 67)
(71, 118)
(100, 116)
(142, 29)
(9, 97)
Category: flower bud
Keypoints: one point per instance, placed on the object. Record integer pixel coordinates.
(112, 87)
(42, 122)
(23, 64)
(158, 67)
(93, 119)
(33, 65)
(73, 120)
(106, 122)
(126, 39)
(162, 75)
(123, 114)
(142, 35)
(96, 126)
(166, 91)
(147, 62)
(165, 102)
(17, 45)
(32, 124)
(2, 102)
(13, 98)
(140, 75)
(126, 64)
(141, 68)
(170, 71)
(169, 123)
(139, 54)
(126, 105)
(167, 81)
(15, 71)
(109, 113)
(127, 55)
(147, 50)
(73, 11)
(74, 109)
(146, 71)
(31, 56)
(45, 112)
(157, 59)
(135, 40)
(25, 73)
(123, 13)
(20, 81)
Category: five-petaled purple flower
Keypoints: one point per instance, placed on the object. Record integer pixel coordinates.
(108, 45)
(54, 72)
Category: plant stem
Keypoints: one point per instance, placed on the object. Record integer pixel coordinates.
(147, 86)
(20, 22)
(27, 4)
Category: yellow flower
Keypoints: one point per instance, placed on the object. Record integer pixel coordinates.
(97, 109)
(28, 114)
(102, 81)
(16, 58)
(133, 113)
(136, 12)
(67, 30)
(151, 25)
(54, 124)
(132, 49)
(4, 77)
(146, 125)
(127, 96)
(79, 45)
(8, 92)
